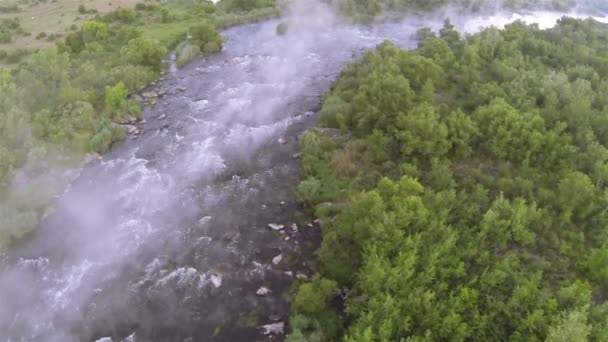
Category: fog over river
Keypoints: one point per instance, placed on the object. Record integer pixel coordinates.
(166, 238)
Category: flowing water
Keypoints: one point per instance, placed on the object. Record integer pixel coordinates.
(166, 237)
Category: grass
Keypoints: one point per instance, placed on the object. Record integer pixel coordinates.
(55, 17)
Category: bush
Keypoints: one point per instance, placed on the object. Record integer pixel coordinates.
(185, 52)
(140, 6)
(82, 9)
(3, 54)
(282, 28)
(144, 51)
(5, 37)
(165, 16)
(16, 56)
(115, 95)
(206, 37)
(126, 15)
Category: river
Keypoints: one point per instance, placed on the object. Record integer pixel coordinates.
(167, 237)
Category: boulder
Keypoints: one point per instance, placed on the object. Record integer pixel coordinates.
(277, 259)
(276, 227)
(216, 280)
(136, 97)
(150, 95)
(263, 291)
(273, 329)
(282, 141)
(130, 129)
(162, 117)
(129, 120)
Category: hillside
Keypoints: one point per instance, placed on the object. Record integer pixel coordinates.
(462, 188)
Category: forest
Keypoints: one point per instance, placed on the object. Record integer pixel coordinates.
(68, 100)
(462, 190)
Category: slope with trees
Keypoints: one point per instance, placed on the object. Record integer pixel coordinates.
(472, 172)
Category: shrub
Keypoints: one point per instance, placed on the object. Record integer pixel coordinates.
(3, 54)
(185, 52)
(5, 37)
(16, 56)
(165, 16)
(82, 9)
(206, 37)
(115, 95)
(126, 15)
(282, 28)
(144, 51)
(140, 6)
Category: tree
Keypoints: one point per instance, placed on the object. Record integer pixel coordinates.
(206, 37)
(144, 51)
(115, 95)
(572, 327)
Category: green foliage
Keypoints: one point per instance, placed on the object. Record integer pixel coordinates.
(206, 37)
(312, 309)
(247, 5)
(144, 51)
(471, 175)
(115, 95)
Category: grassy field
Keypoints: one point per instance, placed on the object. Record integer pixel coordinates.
(54, 17)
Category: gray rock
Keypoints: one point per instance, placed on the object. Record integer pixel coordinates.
(136, 97)
(130, 129)
(277, 259)
(301, 276)
(282, 141)
(150, 95)
(276, 227)
(296, 155)
(162, 117)
(273, 329)
(89, 158)
(263, 291)
(216, 280)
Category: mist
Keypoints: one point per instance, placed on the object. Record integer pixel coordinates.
(166, 236)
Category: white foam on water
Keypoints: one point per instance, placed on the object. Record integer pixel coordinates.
(60, 294)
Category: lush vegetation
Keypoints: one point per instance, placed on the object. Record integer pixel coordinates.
(462, 188)
(69, 99)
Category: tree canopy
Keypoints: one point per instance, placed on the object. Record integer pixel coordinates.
(473, 175)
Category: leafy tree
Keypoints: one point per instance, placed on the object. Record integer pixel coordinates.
(144, 51)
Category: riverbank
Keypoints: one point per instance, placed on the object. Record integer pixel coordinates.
(461, 187)
(48, 128)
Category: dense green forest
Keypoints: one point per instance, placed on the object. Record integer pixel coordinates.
(64, 101)
(462, 189)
